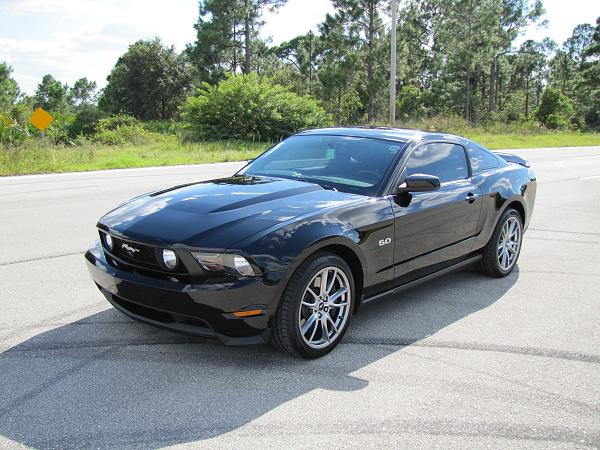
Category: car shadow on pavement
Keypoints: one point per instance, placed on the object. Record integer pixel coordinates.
(106, 381)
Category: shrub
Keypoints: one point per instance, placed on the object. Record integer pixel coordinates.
(163, 126)
(250, 107)
(58, 131)
(120, 130)
(113, 123)
(556, 110)
(11, 133)
(86, 121)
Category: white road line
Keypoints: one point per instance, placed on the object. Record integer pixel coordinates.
(586, 157)
(593, 177)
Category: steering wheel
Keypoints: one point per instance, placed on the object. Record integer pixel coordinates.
(369, 175)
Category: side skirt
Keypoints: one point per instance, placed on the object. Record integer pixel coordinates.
(431, 276)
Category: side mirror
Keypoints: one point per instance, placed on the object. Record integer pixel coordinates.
(419, 183)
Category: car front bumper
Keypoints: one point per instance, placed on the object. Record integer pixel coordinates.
(203, 309)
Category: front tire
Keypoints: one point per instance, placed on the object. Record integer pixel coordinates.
(501, 253)
(315, 309)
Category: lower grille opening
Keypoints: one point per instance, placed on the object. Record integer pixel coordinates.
(159, 316)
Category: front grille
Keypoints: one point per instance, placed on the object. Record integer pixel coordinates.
(142, 254)
(134, 253)
(137, 257)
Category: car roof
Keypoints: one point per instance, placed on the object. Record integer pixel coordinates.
(395, 134)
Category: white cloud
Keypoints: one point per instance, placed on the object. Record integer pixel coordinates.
(295, 18)
(85, 37)
(41, 6)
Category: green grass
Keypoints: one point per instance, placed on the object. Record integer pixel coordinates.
(508, 141)
(500, 135)
(37, 157)
(32, 158)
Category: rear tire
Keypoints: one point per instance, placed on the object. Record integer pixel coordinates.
(501, 253)
(311, 320)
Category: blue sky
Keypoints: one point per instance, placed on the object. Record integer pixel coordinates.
(75, 38)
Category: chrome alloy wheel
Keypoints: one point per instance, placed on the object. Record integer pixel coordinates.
(325, 307)
(509, 243)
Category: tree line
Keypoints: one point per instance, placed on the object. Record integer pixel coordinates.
(455, 58)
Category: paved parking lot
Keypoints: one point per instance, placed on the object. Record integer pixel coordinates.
(463, 361)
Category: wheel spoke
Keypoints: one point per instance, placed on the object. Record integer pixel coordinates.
(331, 283)
(330, 320)
(311, 292)
(314, 296)
(504, 259)
(333, 298)
(312, 335)
(340, 305)
(306, 326)
(323, 283)
(325, 329)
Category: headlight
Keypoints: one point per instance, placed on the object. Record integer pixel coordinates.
(169, 259)
(225, 264)
(108, 241)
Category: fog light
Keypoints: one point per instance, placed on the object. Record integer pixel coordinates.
(108, 241)
(169, 259)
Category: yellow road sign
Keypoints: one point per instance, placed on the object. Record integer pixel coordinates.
(40, 119)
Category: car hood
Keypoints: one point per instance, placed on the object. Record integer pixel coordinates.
(218, 213)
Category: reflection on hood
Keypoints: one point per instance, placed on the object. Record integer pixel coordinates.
(219, 213)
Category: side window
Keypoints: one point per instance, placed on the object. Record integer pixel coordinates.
(481, 159)
(448, 162)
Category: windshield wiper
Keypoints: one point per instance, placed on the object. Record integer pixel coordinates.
(327, 186)
(323, 185)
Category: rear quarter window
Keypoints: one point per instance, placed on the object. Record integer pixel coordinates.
(481, 159)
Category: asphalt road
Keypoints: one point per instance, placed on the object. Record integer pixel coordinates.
(461, 362)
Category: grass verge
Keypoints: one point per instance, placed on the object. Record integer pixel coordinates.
(33, 157)
(508, 141)
(168, 151)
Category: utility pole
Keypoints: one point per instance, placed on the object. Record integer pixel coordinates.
(310, 67)
(393, 67)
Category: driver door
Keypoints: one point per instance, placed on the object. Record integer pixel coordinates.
(434, 227)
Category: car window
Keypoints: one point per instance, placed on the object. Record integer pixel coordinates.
(348, 164)
(481, 159)
(446, 161)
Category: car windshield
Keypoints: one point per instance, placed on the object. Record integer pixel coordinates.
(348, 164)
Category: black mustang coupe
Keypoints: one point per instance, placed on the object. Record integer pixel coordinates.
(288, 249)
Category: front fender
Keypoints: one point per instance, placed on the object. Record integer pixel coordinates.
(285, 249)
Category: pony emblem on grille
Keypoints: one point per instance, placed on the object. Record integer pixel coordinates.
(131, 251)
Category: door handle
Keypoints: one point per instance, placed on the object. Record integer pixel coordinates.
(471, 197)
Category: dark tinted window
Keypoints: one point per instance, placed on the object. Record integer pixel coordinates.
(445, 161)
(349, 164)
(481, 159)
